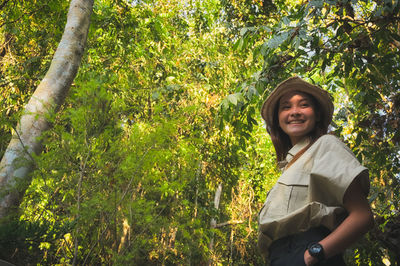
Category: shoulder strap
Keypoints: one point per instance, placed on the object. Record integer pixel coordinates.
(299, 154)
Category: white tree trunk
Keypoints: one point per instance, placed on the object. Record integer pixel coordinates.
(213, 223)
(17, 162)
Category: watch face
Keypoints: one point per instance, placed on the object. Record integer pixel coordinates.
(315, 249)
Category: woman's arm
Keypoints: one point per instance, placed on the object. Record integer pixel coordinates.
(357, 223)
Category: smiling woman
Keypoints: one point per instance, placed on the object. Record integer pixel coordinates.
(319, 205)
(319, 99)
(297, 115)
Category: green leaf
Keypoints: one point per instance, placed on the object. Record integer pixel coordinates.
(277, 40)
(238, 44)
(316, 3)
(235, 98)
(286, 20)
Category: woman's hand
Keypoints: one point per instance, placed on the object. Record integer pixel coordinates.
(308, 259)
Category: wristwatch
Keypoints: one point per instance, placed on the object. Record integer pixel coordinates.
(317, 251)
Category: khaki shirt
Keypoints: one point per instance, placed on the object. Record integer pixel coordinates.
(310, 192)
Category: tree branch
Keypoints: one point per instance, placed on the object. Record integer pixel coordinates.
(232, 222)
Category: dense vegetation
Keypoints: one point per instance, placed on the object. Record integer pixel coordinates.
(164, 114)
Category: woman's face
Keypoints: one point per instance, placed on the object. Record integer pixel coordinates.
(296, 115)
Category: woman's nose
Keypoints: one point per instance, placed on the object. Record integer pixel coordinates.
(295, 111)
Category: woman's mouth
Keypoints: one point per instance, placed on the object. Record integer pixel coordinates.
(296, 122)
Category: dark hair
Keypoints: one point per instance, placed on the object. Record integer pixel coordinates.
(281, 140)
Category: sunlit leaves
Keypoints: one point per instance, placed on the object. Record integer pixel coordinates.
(166, 107)
(132, 162)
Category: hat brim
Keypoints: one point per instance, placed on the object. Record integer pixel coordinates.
(297, 84)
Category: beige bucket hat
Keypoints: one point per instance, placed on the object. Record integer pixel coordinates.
(297, 84)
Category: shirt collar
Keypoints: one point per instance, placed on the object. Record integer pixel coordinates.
(296, 148)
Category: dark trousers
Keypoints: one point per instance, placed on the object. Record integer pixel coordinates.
(289, 251)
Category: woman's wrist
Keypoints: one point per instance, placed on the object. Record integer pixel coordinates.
(308, 259)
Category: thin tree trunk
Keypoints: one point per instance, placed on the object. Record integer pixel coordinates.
(198, 173)
(79, 192)
(213, 222)
(17, 162)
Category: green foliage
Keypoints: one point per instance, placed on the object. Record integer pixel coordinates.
(32, 239)
(165, 108)
(132, 162)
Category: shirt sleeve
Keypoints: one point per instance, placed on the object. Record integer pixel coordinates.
(333, 170)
